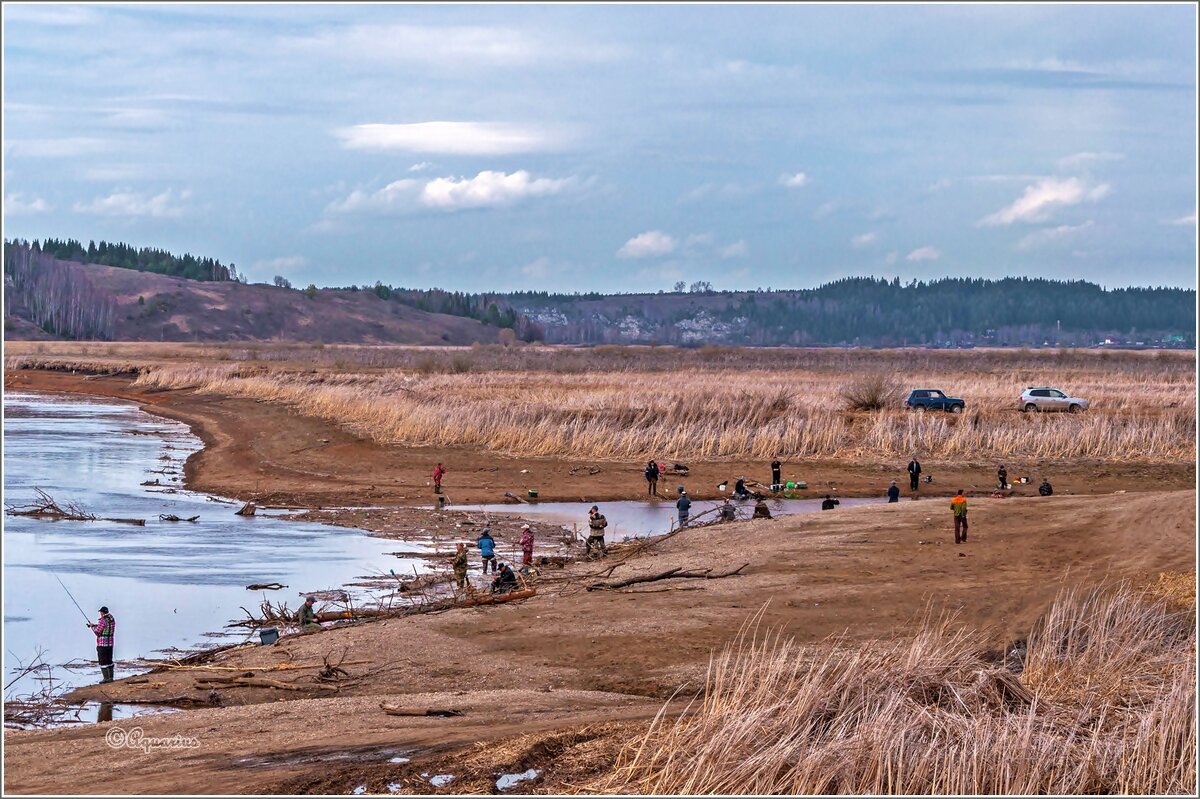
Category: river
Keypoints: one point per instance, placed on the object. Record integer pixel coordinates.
(170, 585)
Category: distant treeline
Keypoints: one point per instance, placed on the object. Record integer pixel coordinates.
(491, 309)
(126, 256)
(877, 312)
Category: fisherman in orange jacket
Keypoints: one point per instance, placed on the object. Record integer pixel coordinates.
(958, 506)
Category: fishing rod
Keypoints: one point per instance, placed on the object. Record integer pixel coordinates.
(64, 587)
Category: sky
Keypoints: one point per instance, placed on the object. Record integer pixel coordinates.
(612, 148)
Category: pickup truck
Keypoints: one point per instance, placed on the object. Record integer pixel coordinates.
(931, 399)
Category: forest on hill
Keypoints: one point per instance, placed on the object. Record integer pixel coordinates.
(54, 284)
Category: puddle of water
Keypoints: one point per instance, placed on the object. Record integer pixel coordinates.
(438, 780)
(167, 583)
(507, 781)
(633, 519)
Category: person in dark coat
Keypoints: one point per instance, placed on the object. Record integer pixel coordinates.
(893, 492)
(683, 505)
(652, 477)
(1002, 476)
(776, 473)
(1045, 489)
(505, 581)
(830, 503)
(914, 473)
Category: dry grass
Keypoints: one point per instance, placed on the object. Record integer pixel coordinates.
(1106, 704)
(712, 403)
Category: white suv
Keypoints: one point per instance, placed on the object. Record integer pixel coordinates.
(1051, 399)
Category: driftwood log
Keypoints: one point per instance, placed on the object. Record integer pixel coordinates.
(393, 710)
(246, 510)
(171, 517)
(678, 573)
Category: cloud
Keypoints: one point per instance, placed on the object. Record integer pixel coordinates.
(1189, 219)
(69, 147)
(1041, 238)
(17, 204)
(445, 47)
(486, 190)
(739, 249)
(725, 192)
(544, 267)
(652, 242)
(923, 254)
(292, 263)
(1040, 199)
(793, 181)
(128, 203)
(450, 138)
(489, 189)
(421, 167)
(864, 240)
(1083, 160)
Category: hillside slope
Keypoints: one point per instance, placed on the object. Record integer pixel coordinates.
(152, 307)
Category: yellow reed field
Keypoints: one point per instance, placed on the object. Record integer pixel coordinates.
(1101, 702)
(710, 403)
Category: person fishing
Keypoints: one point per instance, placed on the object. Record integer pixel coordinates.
(893, 492)
(683, 505)
(526, 545)
(460, 566)
(306, 616)
(739, 489)
(652, 472)
(1045, 489)
(830, 503)
(104, 628)
(506, 580)
(596, 525)
(958, 506)
(728, 512)
(439, 471)
(487, 549)
(761, 511)
(1002, 476)
(776, 474)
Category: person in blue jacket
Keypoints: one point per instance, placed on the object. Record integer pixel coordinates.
(487, 549)
(893, 492)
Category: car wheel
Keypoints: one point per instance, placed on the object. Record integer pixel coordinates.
(919, 409)
(1074, 408)
(956, 409)
(1029, 406)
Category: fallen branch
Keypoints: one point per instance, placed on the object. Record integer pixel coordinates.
(135, 522)
(671, 574)
(171, 517)
(46, 507)
(265, 586)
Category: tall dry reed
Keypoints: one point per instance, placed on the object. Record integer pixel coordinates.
(1106, 705)
(1143, 405)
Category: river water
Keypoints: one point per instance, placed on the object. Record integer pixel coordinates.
(169, 585)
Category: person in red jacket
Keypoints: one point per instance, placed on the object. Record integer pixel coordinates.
(526, 545)
(438, 471)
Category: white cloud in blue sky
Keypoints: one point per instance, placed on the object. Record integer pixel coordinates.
(593, 147)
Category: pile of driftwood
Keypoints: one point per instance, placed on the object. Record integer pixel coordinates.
(46, 507)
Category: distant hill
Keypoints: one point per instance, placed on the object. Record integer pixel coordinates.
(873, 312)
(48, 298)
